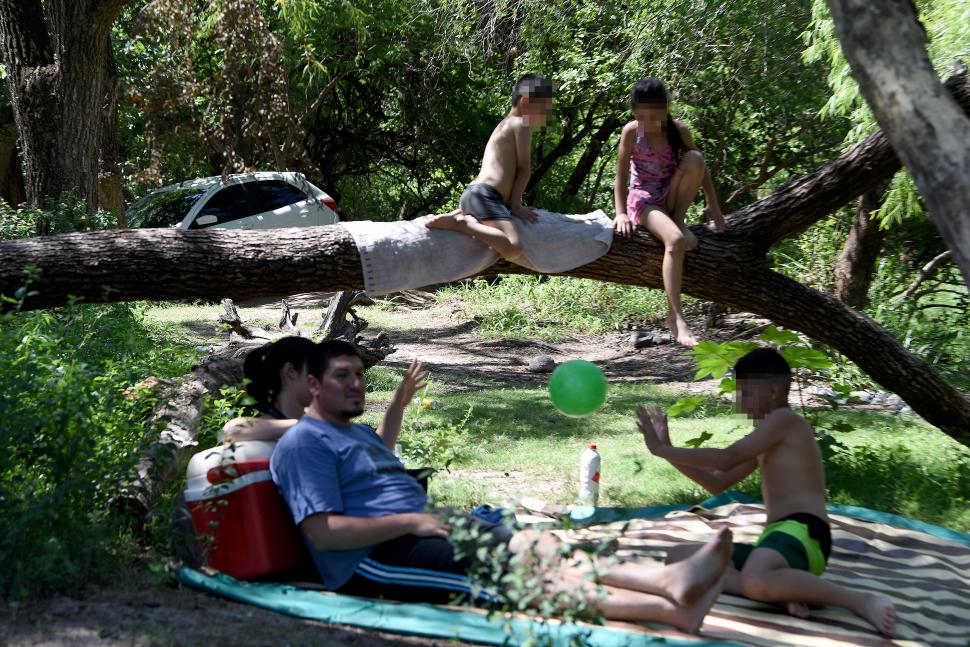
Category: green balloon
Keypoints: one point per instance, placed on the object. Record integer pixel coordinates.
(577, 387)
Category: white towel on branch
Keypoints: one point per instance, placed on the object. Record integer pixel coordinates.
(405, 254)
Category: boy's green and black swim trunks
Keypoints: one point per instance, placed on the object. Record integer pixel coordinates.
(804, 540)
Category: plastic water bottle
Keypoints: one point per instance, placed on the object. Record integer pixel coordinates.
(589, 476)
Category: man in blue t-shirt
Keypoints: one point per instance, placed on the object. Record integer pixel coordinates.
(365, 521)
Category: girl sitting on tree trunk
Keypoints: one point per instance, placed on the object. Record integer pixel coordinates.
(658, 154)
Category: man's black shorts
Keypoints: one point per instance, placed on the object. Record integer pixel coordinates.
(419, 569)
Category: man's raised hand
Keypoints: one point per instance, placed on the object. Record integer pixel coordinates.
(414, 380)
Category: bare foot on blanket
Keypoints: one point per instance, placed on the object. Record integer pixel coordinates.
(690, 579)
(681, 331)
(880, 612)
(451, 221)
(689, 618)
(798, 610)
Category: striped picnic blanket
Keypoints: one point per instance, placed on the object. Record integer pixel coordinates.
(926, 576)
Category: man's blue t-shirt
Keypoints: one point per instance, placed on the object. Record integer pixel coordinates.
(346, 470)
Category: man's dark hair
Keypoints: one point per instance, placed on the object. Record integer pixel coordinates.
(326, 351)
(262, 367)
(764, 364)
(533, 86)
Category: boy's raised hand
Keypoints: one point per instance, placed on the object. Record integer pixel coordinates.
(653, 426)
(414, 380)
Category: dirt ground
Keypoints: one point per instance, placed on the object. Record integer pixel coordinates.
(154, 615)
(445, 340)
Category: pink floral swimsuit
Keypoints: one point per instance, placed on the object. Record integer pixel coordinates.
(650, 173)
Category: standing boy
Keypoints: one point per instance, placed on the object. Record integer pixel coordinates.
(486, 209)
(785, 564)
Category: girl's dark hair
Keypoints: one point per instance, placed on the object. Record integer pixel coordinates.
(651, 90)
(262, 367)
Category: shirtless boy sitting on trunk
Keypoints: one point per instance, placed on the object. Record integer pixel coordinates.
(487, 206)
(785, 565)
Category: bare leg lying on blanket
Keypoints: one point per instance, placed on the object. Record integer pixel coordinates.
(678, 595)
(499, 235)
(766, 577)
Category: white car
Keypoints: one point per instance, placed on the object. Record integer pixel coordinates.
(244, 201)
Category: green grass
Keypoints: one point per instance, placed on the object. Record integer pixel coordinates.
(890, 463)
(553, 308)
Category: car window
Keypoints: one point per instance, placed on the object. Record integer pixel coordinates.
(273, 194)
(230, 203)
(164, 209)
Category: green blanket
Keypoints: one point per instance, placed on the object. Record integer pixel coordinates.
(733, 621)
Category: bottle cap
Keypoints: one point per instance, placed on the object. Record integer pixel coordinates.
(592, 445)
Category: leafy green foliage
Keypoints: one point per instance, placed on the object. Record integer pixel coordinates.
(61, 216)
(716, 359)
(427, 440)
(528, 581)
(74, 398)
(947, 25)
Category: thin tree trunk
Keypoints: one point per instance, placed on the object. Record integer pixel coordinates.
(886, 47)
(588, 159)
(857, 261)
(11, 175)
(110, 196)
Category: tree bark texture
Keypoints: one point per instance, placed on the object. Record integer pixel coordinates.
(886, 47)
(857, 261)
(730, 268)
(11, 175)
(57, 67)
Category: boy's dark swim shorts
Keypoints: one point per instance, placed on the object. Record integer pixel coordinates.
(484, 202)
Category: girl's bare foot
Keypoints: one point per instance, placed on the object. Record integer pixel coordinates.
(880, 612)
(680, 331)
(690, 579)
(690, 618)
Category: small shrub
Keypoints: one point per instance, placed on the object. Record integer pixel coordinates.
(427, 441)
(61, 216)
(74, 404)
(528, 582)
(717, 359)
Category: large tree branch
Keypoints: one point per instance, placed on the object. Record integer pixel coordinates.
(886, 47)
(804, 201)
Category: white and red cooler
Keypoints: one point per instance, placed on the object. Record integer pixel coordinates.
(239, 515)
